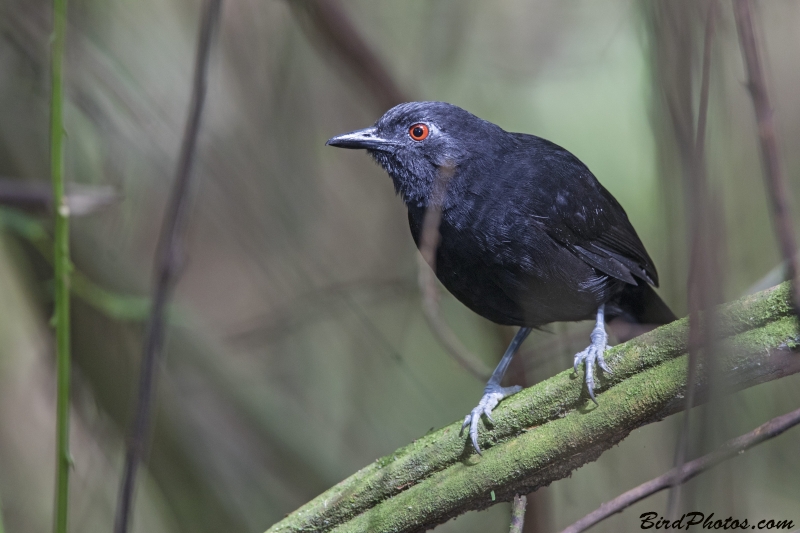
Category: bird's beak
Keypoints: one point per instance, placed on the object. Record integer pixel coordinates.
(367, 139)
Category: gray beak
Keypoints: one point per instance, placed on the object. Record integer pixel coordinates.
(367, 139)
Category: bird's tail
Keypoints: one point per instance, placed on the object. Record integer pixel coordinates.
(636, 310)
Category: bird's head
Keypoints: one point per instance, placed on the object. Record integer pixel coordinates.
(423, 144)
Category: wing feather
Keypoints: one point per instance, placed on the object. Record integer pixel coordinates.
(566, 201)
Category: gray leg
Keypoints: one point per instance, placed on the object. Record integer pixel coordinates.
(493, 392)
(594, 353)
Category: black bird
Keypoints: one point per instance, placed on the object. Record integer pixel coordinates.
(528, 236)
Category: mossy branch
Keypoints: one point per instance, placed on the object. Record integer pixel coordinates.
(545, 432)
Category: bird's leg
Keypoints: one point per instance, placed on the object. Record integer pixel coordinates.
(594, 353)
(493, 392)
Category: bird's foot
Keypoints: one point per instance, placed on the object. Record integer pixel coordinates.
(593, 355)
(492, 395)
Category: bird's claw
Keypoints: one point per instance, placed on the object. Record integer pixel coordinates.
(491, 397)
(592, 355)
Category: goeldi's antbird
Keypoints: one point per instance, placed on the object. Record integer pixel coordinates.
(528, 236)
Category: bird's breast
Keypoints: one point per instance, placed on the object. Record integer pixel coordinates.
(509, 274)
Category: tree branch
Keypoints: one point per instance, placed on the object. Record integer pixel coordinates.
(706, 239)
(544, 432)
(517, 513)
(166, 267)
(730, 449)
(774, 176)
(38, 196)
(328, 26)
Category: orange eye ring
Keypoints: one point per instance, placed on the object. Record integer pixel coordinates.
(419, 132)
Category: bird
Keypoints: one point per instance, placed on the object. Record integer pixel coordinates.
(527, 234)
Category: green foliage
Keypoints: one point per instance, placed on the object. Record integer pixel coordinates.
(116, 306)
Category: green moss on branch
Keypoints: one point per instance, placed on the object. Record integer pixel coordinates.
(546, 431)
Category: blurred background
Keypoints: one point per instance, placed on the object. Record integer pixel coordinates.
(297, 350)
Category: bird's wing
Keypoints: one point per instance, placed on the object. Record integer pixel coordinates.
(563, 198)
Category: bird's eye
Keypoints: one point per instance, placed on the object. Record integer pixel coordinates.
(419, 132)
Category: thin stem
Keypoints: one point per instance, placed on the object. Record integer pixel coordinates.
(703, 276)
(774, 176)
(428, 245)
(166, 270)
(730, 449)
(61, 267)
